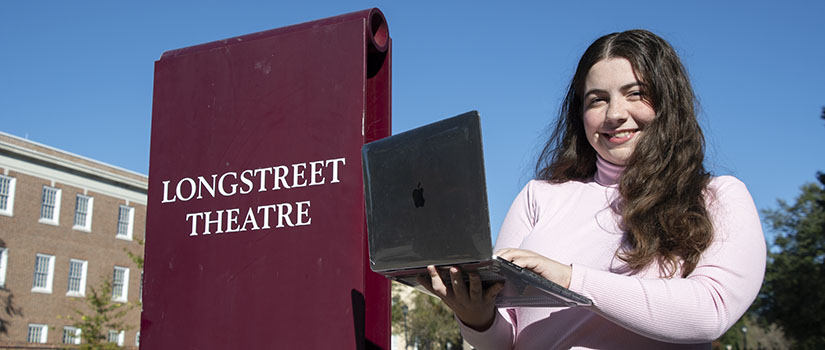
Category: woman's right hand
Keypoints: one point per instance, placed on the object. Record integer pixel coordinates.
(474, 307)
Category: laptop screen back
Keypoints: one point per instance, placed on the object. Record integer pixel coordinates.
(426, 198)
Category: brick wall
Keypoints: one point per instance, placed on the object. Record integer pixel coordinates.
(24, 236)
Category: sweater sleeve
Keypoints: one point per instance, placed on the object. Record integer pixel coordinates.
(498, 336)
(702, 306)
(517, 224)
(520, 219)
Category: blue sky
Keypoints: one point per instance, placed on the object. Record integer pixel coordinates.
(78, 75)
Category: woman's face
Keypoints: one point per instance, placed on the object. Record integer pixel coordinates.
(616, 109)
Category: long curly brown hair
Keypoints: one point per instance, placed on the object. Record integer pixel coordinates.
(663, 186)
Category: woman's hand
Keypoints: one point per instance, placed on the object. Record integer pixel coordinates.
(474, 307)
(545, 267)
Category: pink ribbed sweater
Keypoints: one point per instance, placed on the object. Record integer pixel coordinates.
(573, 224)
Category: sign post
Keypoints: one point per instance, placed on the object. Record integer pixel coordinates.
(255, 222)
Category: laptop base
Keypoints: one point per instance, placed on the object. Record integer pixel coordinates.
(522, 287)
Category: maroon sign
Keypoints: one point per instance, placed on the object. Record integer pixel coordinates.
(255, 221)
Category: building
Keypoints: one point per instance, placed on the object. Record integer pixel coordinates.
(66, 224)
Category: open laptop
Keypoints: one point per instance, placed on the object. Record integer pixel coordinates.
(426, 204)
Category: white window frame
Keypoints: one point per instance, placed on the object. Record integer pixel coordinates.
(49, 277)
(90, 201)
(4, 260)
(119, 334)
(44, 333)
(129, 225)
(9, 209)
(75, 338)
(82, 284)
(55, 219)
(124, 295)
(140, 287)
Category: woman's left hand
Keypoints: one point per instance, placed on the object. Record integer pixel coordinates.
(540, 264)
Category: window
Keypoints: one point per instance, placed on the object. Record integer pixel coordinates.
(125, 216)
(137, 339)
(50, 205)
(140, 288)
(71, 335)
(43, 273)
(4, 259)
(116, 337)
(120, 284)
(83, 213)
(38, 333)
(6, 195)
(77, 278)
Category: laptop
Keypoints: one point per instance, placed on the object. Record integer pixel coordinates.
(426, 204)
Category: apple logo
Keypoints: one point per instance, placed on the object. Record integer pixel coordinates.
(418, 196)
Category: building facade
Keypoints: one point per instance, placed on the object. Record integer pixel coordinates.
(66, 225)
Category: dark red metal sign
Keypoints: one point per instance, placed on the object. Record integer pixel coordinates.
(255, 222)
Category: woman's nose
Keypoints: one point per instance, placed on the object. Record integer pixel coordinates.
(616, 113)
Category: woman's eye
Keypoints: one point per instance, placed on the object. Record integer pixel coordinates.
(636, 94)
(594, 101)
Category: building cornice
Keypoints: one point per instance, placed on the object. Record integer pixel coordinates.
(63, 167)
(75, 167)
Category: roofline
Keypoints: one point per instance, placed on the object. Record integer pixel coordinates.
(73, 165)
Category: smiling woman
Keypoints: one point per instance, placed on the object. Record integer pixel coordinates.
(616, 110)
(632, 100)
(624, 213)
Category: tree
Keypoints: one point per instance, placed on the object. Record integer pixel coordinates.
(795, 275)
(105, 315)
(102, 314)
(759, 336)
(136, 258)
(788, 302)
(399, 310)
(9, 309)
(430, 324)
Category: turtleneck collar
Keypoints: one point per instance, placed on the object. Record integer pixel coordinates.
(607, 173)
